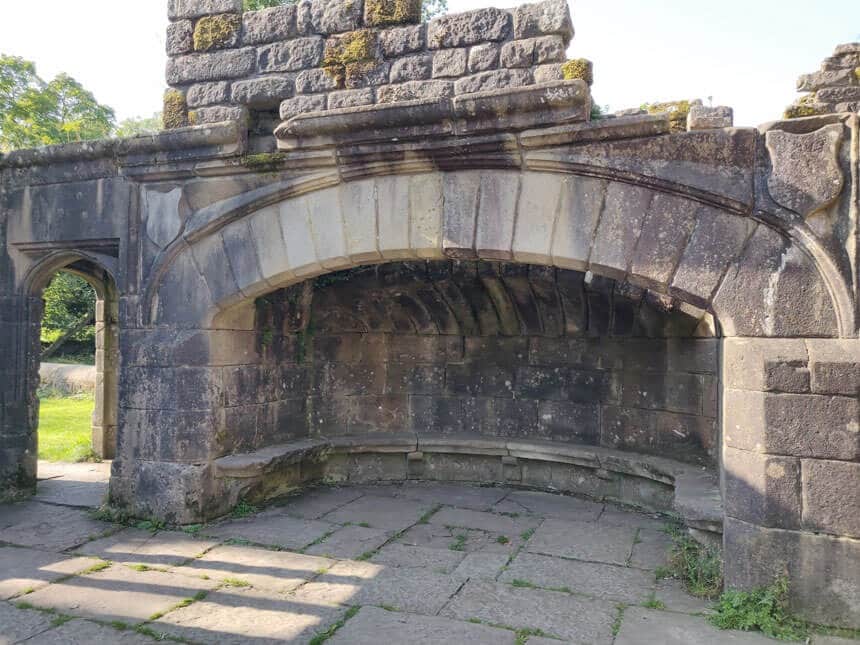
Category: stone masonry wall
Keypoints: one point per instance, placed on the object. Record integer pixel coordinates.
(328, 54)
(835, 88)
(470, 348)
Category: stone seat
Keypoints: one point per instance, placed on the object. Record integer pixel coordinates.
(654, 483)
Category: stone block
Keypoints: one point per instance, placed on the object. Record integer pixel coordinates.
(262, 92)
(838, 94)
(220, 31)
(823, 585)
(269, 25)
(581, 203)
(182, 388)
(218, 114)
(350, 98)
(301, 104)
(766, 365)
(618, 230)
(548, 73)
(177, 9)
(328, 17)
(563, 384)
(461, 195)
(411, 68)
(799, 425)
(668, 225)
(320, 79)
(654, 391)
(532, 51)
(831, 497)
(493, 80)
(468, 28)
(436, 415)
(562, 421)
(539, 197)
(656, 432)
(367, 74)
(449, 63)
(762, 489)
(479, 380)
(483, 57)
(703, 117)
(496, 215)
(834, 366)
(202, 94)
(541, 18)
(380, 13)
(214, 66)
(291, 56)
(402, 40)
(180, 37)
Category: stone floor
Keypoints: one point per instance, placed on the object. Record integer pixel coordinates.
(414, 563)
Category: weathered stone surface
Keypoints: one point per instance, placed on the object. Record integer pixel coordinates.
(468, 28)
(583, 541)
(795, 188)
(42, 526)
(449, 63)
(532, 51)
(268, 25)
(641, 625)
(328, 17)
(367, 74)
(373, 625)
(312, 81)
(214, 66)
(350, 542)
(762, 489)
(263, 92)
(218, 114)
(350, 98)
(202, 94)
(483, 57)
(26, 569)
(134, 547)
(416, 557)
(391, 12)
(549, 505)
(834, 366)
(217, 32)
(546, 17)
(825, 78)
(271, 528)
(831, 497)
(22, 624)
(386, 514)
(766, 365)
(492, 80)
(291, 56)
(702, 117)
(415, 91)
(478, 499)
(180, 37)
(560, 614)
(412, 68)
(301, 104)
(402, 40)
(548, 73)
(195, 8)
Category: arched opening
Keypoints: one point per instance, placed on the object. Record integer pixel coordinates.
(74, 393)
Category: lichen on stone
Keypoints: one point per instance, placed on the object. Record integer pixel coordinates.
(677, 111)
(578, 68)
(391, 12)
(175, 111)
(353, 47)
(215, 32)
(264, 162)
(805, 106)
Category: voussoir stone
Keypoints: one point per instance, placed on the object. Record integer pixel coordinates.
(213, 66)
(468, 28)
(196, 8)
(268, 25)
(292, 55)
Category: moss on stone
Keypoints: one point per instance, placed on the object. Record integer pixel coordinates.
(263, 162)
(677, 111)
(175, 111)
(379, 13)
(857, 74)
(353, 47)
(578, 68)
(215, 32)
(804, 106)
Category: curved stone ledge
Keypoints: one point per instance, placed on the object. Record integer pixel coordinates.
(653, 483)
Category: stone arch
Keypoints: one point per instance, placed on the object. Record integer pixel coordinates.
(102, 279)
(749, 274)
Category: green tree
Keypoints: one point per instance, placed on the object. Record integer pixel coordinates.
(35, 113)
(68, 299)
(139, 125)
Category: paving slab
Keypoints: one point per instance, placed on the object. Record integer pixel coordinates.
(482, 521)
(833, 640)
(372, 626)
(651, 549)
(78, 471)
(366, 583)
(615, 516)
(48, 527)
(676, 598)
(85, 632)
(640, 625)
(22, 569)
(471, 497)
(583, 541)
(68, 492)
(273, 528)
(19, 624)
(572, 618)
(316, 502)
(134, 547)
(481, 566)
(418, 557)
(280, 571)
(561, 507)
(437, 536)
(380, 512)
(119, 593)
(239, 616)
(350, 542)
(621, 584)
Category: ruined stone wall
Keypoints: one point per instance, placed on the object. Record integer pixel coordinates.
(328, 54)
(479, 349)
(834, 88)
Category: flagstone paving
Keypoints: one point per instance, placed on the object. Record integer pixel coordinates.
(416, 564)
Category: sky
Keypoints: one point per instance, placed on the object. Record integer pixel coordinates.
(743, 53)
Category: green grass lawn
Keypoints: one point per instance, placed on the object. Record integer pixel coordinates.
(65, 428)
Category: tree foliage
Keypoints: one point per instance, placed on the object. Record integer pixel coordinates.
(139, 125)
(68, 298)
(35, 113)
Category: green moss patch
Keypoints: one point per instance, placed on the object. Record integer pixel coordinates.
(353, 47)
(805, 106)
(216, 32)
(677, 111)
(578, 68)
(175, 112)
(391, 12)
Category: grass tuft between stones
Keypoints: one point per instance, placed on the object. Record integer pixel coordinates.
(699, 567)
(322, 637)
(764, 609)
